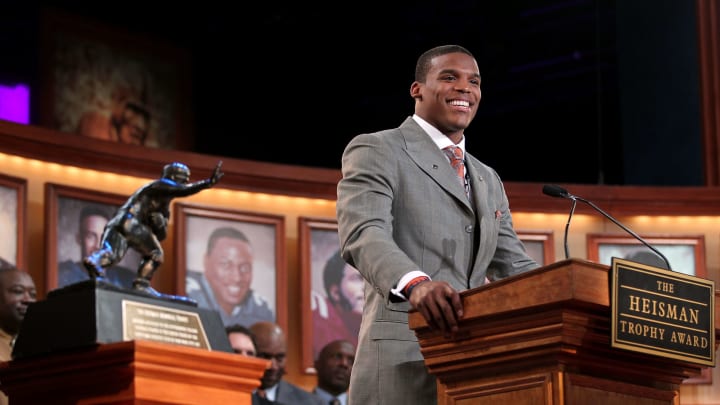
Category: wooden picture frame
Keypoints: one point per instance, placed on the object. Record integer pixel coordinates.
(194, 227)
(13, 221)
(688, 250)
(332, 291)
(540, 245)
(101, 81)
(64, 207)
(686, 253)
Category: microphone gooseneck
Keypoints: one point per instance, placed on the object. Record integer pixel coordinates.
(557, 191)
(567, 228)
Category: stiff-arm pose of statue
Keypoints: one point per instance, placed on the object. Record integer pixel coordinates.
(141, 223)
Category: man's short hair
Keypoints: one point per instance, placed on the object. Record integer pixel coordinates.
(225, 232)
(6, 265)
(333, 272)
(90, 210)
(423, 63)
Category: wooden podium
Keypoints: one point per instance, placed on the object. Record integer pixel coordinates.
(132, 372)
(543, 337)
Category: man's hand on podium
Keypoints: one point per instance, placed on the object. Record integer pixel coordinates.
(439, 304)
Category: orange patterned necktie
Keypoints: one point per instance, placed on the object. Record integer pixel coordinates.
(455, 154)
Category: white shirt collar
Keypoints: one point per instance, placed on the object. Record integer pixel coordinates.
(326, 396)
(440, 139)
(271, 393)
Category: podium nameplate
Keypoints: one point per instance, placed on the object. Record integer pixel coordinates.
(662, 312)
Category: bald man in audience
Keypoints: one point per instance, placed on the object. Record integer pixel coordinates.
(333, 366)
(17, 291)
(272, 345)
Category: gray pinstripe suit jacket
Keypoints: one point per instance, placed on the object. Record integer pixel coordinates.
(400, 208)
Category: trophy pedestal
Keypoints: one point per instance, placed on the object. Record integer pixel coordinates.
(94, 312)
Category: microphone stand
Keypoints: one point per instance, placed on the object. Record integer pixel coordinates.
(557, 191)
(626, 229)
(567, 227)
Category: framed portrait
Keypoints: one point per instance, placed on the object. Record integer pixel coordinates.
(539, 244)
(103, 83)
(686, 253)
(75, 220)
(332, 290)
(13, 221)
(232, 262)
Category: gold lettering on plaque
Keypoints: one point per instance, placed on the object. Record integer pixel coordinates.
(163, 324)
(663, 309)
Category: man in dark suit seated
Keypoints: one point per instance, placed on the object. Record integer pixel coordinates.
(272, 345)
(333, 366)
(17, 292)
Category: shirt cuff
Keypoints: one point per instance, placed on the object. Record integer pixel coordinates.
(406, 279)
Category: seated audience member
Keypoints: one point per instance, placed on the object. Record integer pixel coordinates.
(225, 284)
(333, 366)
(272, 345)
(17, 291)
(241, 340)
(337, 316)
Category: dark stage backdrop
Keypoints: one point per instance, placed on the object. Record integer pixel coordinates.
(583, 91)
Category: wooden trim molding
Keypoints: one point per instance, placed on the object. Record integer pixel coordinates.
(618, 200)
(70, 149)
(53, 146)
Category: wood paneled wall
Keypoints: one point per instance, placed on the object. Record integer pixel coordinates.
(41, 155)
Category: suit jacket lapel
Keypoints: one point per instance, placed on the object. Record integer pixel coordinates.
(478, 186)
(431, 160)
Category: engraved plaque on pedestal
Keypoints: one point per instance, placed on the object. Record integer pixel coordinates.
(94, 312)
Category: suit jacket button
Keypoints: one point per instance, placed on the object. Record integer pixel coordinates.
(469, 229)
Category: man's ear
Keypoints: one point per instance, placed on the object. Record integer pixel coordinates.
(415, 90)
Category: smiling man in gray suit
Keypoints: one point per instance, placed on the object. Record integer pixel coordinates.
(419, 229)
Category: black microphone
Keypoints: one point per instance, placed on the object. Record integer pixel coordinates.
(556, 191)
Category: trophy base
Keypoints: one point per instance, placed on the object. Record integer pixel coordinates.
(94, 312)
